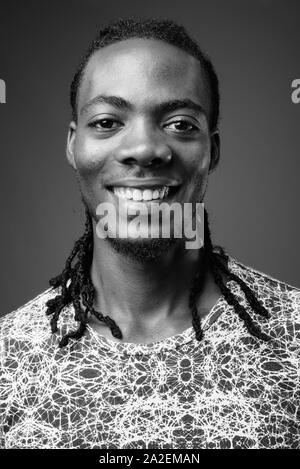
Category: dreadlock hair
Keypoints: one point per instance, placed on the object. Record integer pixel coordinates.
(76, 288)
(215, 261)
(80, 288)
(150, 28)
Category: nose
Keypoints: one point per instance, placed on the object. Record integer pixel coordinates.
(144, 147)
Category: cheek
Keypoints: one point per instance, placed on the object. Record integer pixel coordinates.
(89, 158)
(197, 166)
(198, 160)
(90, 161)
(201, 166)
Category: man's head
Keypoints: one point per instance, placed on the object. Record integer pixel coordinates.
(145, 105)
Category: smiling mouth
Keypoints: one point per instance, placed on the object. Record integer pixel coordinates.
(145, 194)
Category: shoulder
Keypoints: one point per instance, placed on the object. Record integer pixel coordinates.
(262, 282)
(29, 323)
(281, 299)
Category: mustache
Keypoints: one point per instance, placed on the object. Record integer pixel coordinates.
(138, 173)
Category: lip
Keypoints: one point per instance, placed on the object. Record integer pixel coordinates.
(144, 182)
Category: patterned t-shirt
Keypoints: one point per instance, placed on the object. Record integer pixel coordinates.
(231, 390)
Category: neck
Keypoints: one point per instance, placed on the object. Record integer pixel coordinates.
(142, 293)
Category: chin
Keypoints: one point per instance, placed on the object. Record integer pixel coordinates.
(143, 249)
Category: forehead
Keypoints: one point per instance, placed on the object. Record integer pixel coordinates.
(142, 71)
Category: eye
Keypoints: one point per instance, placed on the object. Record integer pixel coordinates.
(182, 126)
(104, 124)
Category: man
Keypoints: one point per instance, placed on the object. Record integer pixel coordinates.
(152, 345)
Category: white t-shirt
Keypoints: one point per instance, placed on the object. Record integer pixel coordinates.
(231, 390)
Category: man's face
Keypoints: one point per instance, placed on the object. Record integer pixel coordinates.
(142, 135)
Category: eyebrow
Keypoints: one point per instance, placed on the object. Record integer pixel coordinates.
(164, 107)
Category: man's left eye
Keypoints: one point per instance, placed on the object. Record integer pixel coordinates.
(182, 126)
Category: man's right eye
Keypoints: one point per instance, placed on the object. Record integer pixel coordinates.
(104, 124)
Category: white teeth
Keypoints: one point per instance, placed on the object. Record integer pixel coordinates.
(138, 194)
(147, 194)
(117, 191)
(128, 193)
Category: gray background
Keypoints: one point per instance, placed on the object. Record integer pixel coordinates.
(253, 196)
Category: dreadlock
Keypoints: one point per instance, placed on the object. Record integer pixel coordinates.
(216, 265)
(77, 288)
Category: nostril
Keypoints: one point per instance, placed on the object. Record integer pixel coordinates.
(155, 162)
(129, 161)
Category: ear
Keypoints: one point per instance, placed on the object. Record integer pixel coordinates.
(71, 144)
(215, 151)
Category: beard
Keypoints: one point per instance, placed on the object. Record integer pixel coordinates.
(144, 250)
